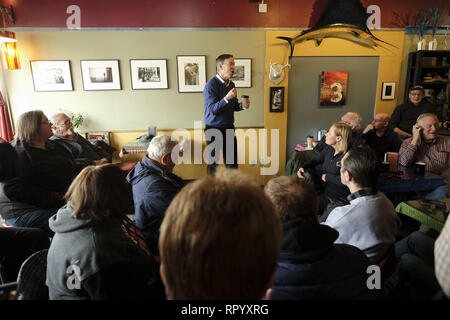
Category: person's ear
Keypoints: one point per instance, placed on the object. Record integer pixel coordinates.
(338, 138)
(165, 159)
(161, 273)
(348, 176)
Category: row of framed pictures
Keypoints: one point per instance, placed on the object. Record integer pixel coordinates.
(55, 75)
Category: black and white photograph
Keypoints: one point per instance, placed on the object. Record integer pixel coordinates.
(148, 74)
(100, 74)
(242, 77)
(276, 99)
(388, 91)
(191, 73)
(51, 75)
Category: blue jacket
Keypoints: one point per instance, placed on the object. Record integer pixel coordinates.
(311, 266)
(219, 113)
(152, 193)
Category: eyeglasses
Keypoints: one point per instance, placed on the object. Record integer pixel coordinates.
(60, 124)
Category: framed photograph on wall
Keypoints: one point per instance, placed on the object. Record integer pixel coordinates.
(276, 99)
(96, 136)
(388, 91)
(100, 74)
(51, 75)
(148, 74)
(191, 73)
(242, 77)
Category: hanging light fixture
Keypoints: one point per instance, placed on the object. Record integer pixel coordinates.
(8, 42)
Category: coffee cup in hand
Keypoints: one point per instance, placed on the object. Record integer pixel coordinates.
(245, 101)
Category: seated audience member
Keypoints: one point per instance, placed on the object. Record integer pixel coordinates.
(16, 245)
(311, 266)
(354, 120)
(369, 222)
(106, 263)
(46, 169)
(380, 137)
(442, 258)
(338, 138)
(427, 146)
(154, 186)
(14, 212)
(220, 240)
(416, 266)
(83, 152)
(404, 116)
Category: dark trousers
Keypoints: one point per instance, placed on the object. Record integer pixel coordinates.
(228, 143)
(416, 263)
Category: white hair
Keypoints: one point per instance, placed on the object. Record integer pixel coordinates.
(424, 115)
(356, 120)
(159, 146)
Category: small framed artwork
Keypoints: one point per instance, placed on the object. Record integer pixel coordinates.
(96, 136)
(51, 75)
(388, 91)
(191, 73)
(276, 99)
(100, 74)
(242, 77)
(148, 74)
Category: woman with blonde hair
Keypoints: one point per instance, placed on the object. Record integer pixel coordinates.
(338, 140)
(91, 256)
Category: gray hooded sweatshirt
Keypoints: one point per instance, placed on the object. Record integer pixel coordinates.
(87, 261)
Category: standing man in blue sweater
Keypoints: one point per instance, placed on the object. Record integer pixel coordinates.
(220, 105)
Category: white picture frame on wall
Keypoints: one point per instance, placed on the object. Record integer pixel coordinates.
(388, 91)
(191, 73)
(51, 75)
(242, 76)
(148, 74)
(100, 74)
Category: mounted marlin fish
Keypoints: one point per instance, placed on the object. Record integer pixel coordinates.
(342, 19)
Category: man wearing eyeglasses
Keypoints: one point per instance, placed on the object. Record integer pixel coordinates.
(404, 116)
(83, 152)
(369, 222)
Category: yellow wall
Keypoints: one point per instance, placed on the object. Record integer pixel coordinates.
(389, 71)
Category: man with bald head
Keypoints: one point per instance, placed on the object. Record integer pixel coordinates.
(380, 137)
(83, 152)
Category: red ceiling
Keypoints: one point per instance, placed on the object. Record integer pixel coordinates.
(202, 13)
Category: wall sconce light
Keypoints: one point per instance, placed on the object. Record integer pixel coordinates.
(8, 42)
(11, 58)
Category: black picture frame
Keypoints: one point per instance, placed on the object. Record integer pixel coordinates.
(388, 91)
(193, 66)
(91, 75)
(276, 99)
(51, 75)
